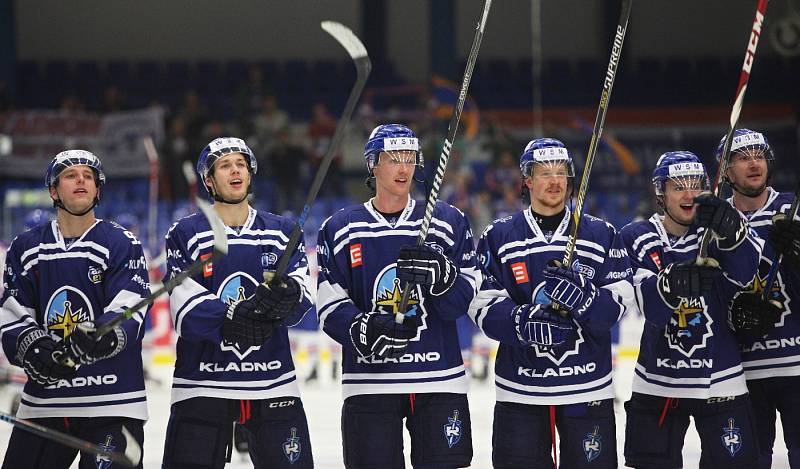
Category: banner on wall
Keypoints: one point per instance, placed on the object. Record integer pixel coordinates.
(116, 138)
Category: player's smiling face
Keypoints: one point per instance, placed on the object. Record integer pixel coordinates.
(548, 187)
(77, 188)
(394, 172)
(748, 170)
(679, 194)
(231, 176)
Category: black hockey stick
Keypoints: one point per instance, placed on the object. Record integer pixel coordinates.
(744, 77)
(778, 258)
(358, 53)
(220, 244)
(130, 458)
(597, 131)
(444, 156)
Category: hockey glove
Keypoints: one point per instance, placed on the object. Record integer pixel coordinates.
(84, 345)
(35, 350)
(541, 325)
(752, 317)
(246, 324)
(423, 265)
(685, 280)
(569, 289)
(718, 215)
(376, 333)
(784, 235)
(278, 299)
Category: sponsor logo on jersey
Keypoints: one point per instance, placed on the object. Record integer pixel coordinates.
(95, 274)
(585, 270)
(593, 444)
(208, 270)
(268, 259)
(103, 461)
(355, 255)
(617, 253)
(452, 430)
(235, 289)
(67, 307)
(292, 447)
(689, 326)
(520, 272)
(136, 264)
(559, 353)
(656, 260)
(731, 437)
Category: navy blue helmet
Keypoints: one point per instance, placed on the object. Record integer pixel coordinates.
(677, 165)
(545, 151)
(68, 158)
(388, 138)
(220, 147)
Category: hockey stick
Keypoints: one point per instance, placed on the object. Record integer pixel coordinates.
(130, 458)
(778, 258)
(444, 156)
(191, 181)
(744, 77)
(597, 131)
(358, 53)
(220, 244)
(152, 201)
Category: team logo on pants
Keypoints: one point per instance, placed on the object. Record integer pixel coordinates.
(593, 444)
(732, 438)
(291, 447)
(452, 430)
(103, 461)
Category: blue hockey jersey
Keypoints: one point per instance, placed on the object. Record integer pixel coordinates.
(687, 352)
(514, 252)
(52, 286)
(357, 252)
(777, 354)
(206, 364)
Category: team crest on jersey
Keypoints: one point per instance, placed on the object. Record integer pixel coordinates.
(292, 448)
(67, 307)
(452, 430)
(103, 461)
(268, 259)
(232, 290)
(559, 353)
(387, 292)
(593, 444)
(731, 438)
(689, 326)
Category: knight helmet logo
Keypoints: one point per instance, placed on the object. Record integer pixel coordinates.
(731, 438)
(292, 448)
(66, 309)
(593, 444)
(237, 287)
(689, 326)
(452, 430)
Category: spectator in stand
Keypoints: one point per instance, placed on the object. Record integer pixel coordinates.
(288, 165)
(195, 117)
(250, 96)
(320, 132)
(113, 99)
(174, 151)
(267, 124)
(502, 174)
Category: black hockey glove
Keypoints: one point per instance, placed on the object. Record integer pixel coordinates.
(35, 350)
(541, 325)
(279, 298)
(376, 333)
(246, 324)
(784, 235)
(423, 265)
(84, 345)
(569, 289)
(752, 317)
(685, 280)
(718, 215)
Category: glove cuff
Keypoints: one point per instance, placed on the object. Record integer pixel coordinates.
(448, 279)
(27, 339)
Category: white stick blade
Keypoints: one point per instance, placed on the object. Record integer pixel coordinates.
(346, 38)
(217, 227)
(133, 452)
(188, 173)
(150, 149)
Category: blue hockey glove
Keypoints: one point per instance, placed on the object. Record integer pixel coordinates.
(376, 333)
(36, 351)
(423, 265)
(784, 236)
(718, 215)
(278, 299)
(87, 348)
(569, 289)
(541, 325)
(685, 280)
(752, 317)
(246, 324)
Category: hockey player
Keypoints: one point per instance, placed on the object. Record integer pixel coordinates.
(62, 280)
(767, 329)
(233, 356)
(391, 371)
(553, 368)
(689, 362)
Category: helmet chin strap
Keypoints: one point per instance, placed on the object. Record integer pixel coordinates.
(666, 212)
(215, 195)
(59, 204)
(748, 192)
